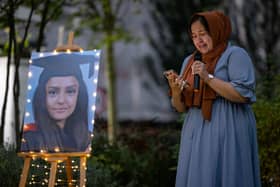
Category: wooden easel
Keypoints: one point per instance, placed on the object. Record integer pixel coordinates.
(55, 158)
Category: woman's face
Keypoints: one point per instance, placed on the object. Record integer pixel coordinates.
(61, 97)
(201, 38)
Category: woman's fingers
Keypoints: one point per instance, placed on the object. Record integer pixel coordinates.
(198, 67)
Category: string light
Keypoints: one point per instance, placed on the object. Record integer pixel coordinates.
(40, 173)
(29, 74)
(29, 87)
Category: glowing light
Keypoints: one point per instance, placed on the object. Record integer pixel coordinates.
(30, 61)
(93, 108)
(29, 74)
(92, 121)
(41, 54)
(95, 81)
(94, 94)
(27, 114)
(81, 51)
(56, 149)
(68, 51)
(96, 67)
(23, 140)
(28, 100)
(29, 87)
(97, 54)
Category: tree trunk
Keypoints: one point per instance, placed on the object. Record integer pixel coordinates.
(110, 70)
(11, 38)
(43, 24)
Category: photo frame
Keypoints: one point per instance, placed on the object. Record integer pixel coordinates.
(60, 102)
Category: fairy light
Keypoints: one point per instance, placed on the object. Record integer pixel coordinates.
(56, 149)
(29, 87)
(95, 80)
(96, 67)
(93, 108)
(42, 179)
(27, 114)
(29, 74)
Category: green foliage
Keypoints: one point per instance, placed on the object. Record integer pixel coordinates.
(268, 127)
(10, 168)
(136, 160)
(268, 84)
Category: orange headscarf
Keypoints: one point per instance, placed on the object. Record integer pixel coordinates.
(219, 30)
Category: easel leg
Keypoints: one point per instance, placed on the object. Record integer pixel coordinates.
(52, 173)
(25, 170)
(69, 172)
(83, 161)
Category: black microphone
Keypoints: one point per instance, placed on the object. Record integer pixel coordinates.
(197, 56)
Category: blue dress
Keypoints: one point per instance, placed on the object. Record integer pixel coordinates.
(222, 152)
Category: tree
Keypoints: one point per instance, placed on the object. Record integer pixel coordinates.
(49, 10)
(17, 44)
(104, 16)
(170, 20)
(15, 49)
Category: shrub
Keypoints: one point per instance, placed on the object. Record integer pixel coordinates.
(10, 168)
(268, 127)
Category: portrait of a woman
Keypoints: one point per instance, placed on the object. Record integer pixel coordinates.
(60, 108)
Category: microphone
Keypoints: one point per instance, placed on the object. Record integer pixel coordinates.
(197, 56)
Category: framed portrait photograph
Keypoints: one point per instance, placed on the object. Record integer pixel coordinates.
(60, 102)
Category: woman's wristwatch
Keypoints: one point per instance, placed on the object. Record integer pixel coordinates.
(210, 77)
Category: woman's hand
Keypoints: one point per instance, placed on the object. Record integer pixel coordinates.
(199, 68)
(176, 83)
(222, 88)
